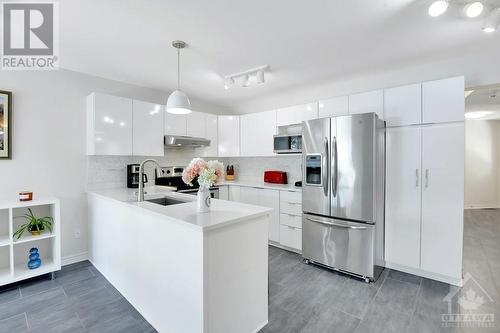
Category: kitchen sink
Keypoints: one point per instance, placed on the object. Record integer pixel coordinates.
(165, 201)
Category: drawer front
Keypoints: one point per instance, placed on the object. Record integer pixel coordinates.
(291, 220)
(292, 208)
(291, 237)
(294, 197)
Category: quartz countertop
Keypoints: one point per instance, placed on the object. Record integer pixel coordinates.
(261, 184)
(222, 212)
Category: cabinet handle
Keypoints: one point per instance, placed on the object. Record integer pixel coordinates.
(294, 203)
(417, 181)
(426, 178)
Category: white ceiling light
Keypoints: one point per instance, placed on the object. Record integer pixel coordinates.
(243, 78)
(438, 8)
(492, 21)
(477, 114)
(260, 77)
(178, 102)
(473, 9)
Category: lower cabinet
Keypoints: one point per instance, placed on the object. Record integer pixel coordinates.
(224, 192)
(291, 237)
(291, 220)
(267, 198)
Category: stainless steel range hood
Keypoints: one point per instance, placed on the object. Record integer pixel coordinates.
(185, 141)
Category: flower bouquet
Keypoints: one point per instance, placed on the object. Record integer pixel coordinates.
(207, 175)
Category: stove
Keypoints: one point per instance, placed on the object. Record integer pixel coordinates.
(172, 176)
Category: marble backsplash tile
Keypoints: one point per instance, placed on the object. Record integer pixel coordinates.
(111, 171)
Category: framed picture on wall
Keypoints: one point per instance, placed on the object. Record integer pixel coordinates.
(5, 124)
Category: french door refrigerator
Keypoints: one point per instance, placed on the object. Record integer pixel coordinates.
(343, 193)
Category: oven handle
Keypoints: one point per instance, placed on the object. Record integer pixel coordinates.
(336, 224)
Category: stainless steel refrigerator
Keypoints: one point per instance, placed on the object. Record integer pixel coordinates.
(343, 193)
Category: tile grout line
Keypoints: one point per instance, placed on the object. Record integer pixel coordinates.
(80, 320)
(27, 322)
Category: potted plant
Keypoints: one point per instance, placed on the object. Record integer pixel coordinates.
(35, 225)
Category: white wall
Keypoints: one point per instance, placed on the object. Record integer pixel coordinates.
(482, 154)
(49, 140)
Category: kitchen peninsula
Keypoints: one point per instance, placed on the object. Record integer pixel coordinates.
(183, 271)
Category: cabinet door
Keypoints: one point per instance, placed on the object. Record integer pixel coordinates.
(403, 195)
(403, 105)
(195, 125)
(224, 192)
(443, 199)
(234, 193)
(229, 135)
(271, 199)
(337, 106)
(257, 131)
(175, 124)
(372, 101)
(112, 125)
(211, 128)
(443, 100)
(147, 129)
(296, 114)
(249, 195)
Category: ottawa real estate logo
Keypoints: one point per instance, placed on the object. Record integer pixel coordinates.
(30, 36)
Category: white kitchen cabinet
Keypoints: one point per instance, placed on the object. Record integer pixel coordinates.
(291, 237)
(211, 128)
(337, 106)
(224, 192)
(256, 133)
(443, 199)
(403, 105)
(175, 124)
(109, 125)
(147, 129)
(266, 198)
(443, 100)
(296, 114)
(425, 200)
(403, 192)
(291, 220)
(195, 125)
(229, 136)
(234, 193)
(372, 101)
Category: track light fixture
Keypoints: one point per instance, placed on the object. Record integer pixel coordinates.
(246, 78)
(473, 9)
(492, 21)
(438, 8)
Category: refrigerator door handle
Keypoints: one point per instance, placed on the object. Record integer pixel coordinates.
(335, 167)
(324, 167)
(336, 224)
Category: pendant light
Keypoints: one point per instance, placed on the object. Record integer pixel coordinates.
(178, 102)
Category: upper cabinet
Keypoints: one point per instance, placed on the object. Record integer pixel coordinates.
(296, 114)
(147, 129)
(372, 101)
(175, 124)
(195, 122)
(211, 128)
(109, 125)
(229, 136)
(443, 100)
(337, 106)
(256, 133)
(403, 105)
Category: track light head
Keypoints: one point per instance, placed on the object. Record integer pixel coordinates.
(438, 8)
(492, 21)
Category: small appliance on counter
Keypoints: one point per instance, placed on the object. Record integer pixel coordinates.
(275, 177)
(230, 172)
(133, 176)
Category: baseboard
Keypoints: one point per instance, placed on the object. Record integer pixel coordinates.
(74, 258)
(481, 207)
(425, 274)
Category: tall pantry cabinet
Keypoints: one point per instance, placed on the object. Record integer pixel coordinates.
(425, 179)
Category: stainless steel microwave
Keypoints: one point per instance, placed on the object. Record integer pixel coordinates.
(288, 144)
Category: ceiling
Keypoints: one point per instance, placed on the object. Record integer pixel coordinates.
(303, 42)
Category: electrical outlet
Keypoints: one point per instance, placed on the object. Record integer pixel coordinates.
(77, 233)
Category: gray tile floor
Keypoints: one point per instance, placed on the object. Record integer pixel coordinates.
(303, 298)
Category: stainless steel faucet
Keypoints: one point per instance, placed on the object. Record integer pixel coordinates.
(140, 195)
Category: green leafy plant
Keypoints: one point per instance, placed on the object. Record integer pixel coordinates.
(33, 224)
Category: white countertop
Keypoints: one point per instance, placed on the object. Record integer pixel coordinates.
(222, 212)
(261, 184)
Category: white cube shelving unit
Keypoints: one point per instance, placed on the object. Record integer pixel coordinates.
(14, 252)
